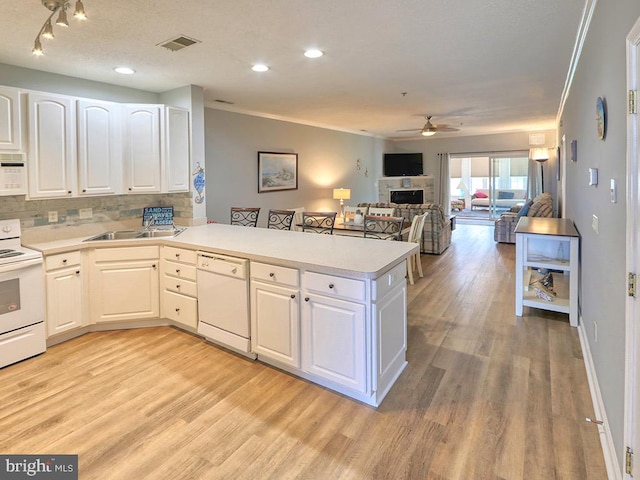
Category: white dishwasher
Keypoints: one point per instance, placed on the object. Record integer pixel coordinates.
(223, 301)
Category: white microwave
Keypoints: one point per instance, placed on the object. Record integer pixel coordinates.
(13, 177)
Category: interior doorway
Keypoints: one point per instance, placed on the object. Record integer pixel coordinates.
(485, 185)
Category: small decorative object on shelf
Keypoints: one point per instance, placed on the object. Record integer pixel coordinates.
(540, 293)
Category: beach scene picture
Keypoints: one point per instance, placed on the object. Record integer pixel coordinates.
(277, 171)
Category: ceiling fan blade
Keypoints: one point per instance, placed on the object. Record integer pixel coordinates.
(410, 130)
(445, 128)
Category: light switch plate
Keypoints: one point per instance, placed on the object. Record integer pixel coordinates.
(85, 213)
(614, 191)
(594, 224)
(53, 217)
(593, 176)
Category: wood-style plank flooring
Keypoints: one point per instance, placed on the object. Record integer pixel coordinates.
(486, 395)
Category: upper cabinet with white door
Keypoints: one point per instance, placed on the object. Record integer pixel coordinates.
(10, 119)
(99, 147)
(142, 148)
(175, 176)
(52, 154)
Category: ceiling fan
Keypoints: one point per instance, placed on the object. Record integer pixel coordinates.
(431, 129)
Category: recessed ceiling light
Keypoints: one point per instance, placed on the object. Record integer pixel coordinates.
(125, 70)
(313, 53)
(259, 67)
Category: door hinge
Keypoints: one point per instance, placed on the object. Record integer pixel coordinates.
(631, 286)
(632, 102)
(628, 461)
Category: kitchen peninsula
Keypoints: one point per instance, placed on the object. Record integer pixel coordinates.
(329, 309)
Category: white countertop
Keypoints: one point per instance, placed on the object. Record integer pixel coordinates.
(353, 256)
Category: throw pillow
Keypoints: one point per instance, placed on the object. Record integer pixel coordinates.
(480, 194)
(505, 195)
(524, 210)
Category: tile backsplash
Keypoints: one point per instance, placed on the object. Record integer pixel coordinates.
(113, 208)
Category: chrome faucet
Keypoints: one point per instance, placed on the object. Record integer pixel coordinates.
(148, 223)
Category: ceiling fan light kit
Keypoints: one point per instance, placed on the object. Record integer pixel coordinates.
(59, 7)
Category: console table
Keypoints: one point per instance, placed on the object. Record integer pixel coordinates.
(547, 246)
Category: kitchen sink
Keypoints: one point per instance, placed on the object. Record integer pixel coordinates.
(129, 234)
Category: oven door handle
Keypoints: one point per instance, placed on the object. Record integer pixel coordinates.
(19, 265)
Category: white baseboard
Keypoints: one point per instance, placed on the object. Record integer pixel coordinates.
(614, 471)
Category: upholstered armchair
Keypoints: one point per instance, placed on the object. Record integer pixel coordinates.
(541, 206)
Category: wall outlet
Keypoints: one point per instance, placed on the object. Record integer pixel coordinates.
(595, 331)
(594, 224)
(53, 217)
(85, 213)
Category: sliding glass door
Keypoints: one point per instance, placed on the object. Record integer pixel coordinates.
(484, 186)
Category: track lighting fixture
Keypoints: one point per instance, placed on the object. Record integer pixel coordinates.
(59, 7)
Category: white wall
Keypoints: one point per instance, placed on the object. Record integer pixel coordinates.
(326, 160)
(601, 72)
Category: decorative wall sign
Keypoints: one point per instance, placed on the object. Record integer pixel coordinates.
(601, 118)
(157, 215)
(277, 171)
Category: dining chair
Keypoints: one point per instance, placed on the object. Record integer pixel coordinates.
(280, 219)
(318, 222)
(383, 228)
(382, 211)
(415, 236)
(246, 217)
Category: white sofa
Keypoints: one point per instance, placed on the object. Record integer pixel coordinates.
(504, 198)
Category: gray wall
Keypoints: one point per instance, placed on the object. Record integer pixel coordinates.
(601, 72)
(326, 159)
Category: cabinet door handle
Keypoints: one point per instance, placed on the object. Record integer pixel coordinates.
(77, 272)
(177, 255)
(177, 310)
(178, 286)
(331, 285)
(306, 299)
(84, 190)
(64, 260)
(154, 266)
(177, 270)
(271, 274)
(69, 192)
(293, 295)
(130, 188)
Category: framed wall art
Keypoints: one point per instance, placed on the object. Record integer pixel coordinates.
(277, 171)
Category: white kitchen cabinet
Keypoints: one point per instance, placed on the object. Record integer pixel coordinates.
(99, 147)
(124, 284)
(10, 119)
(275, 314)
(142, 147)
(547, 245)
(52, 155)
(175, 173)
(334, 330)
(179, 296)
(65, 292)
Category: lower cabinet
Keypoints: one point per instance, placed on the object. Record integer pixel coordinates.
(334, 341)
(65, 293)
(179, 301)
(275, 315)
(125, 284)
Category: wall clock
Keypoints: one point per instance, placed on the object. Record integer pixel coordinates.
(601, 118)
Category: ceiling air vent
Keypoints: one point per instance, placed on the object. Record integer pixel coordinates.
(226, 102)
(178, 43)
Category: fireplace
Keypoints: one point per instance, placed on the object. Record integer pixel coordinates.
(406, 196)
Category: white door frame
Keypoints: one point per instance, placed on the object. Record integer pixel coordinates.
(632, 316)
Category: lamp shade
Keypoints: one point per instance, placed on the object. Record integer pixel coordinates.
(341, 193)
(462, 186)
(539, 154)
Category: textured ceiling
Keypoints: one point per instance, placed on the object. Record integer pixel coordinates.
(484, 66)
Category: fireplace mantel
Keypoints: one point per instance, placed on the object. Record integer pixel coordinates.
(386, 185)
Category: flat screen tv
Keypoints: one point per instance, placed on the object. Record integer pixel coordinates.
(402, 164)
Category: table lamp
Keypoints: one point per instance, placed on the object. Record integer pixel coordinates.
(462, 187)
(341, 194)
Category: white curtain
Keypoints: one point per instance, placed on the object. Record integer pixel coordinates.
(445, 194)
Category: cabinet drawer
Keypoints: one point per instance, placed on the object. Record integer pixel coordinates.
(180, 285)
(126, 253)
(274, 274)
(180, 270)
(179, 255)
(389, 280)
(335, 286)
(180, 309)
(60, 260)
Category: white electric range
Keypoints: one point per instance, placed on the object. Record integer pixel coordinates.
(22, 301)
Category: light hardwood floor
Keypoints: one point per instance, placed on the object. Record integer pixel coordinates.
(486, 395)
